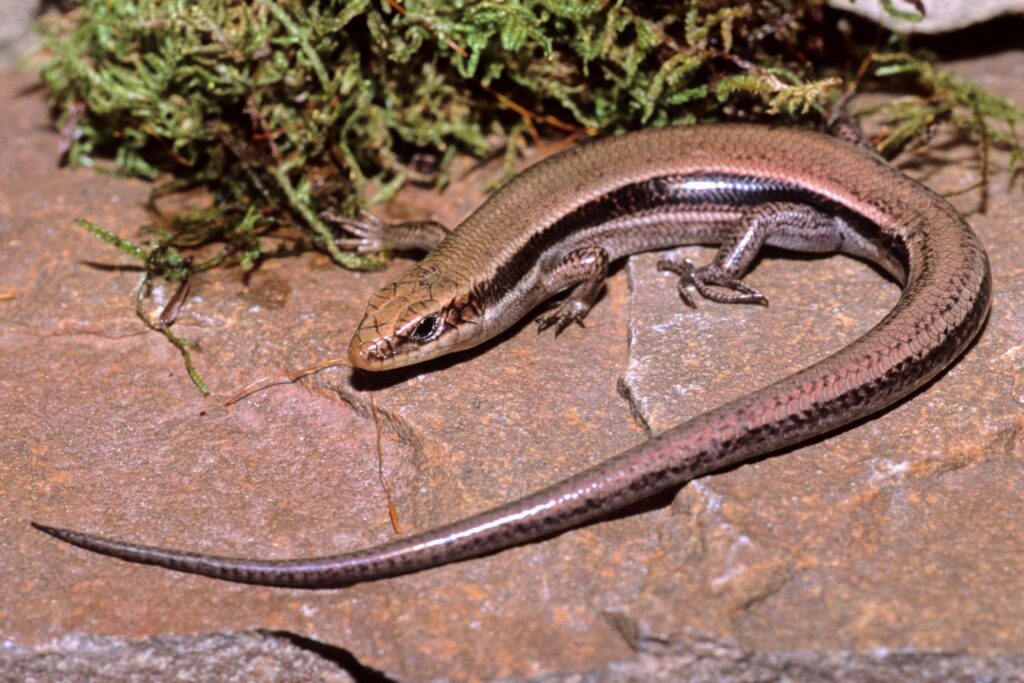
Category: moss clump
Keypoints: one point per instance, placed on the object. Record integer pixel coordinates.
(303, 108)
(289, 111)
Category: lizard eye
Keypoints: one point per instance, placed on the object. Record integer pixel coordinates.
(426, 329)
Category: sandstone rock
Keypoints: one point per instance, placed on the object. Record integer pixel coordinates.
(889, 550)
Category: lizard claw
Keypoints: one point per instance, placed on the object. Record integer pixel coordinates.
(571, 311)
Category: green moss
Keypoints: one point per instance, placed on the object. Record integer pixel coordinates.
(288, 111)
(945, 97)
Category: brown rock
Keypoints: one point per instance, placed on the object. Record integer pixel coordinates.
(901, 534)
(103, 431)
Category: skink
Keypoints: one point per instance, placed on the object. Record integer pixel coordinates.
(559, 224)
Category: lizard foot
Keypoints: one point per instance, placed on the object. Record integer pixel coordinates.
(569, 312)
(367, 228)
(705, 279)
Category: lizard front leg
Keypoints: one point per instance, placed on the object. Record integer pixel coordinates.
(584, 269)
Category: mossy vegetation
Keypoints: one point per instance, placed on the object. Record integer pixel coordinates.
(289, 112)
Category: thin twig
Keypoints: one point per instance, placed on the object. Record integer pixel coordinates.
(281, 378)
(392, 508)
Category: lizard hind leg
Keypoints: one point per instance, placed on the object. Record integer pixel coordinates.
(792, 226)
(369, 233)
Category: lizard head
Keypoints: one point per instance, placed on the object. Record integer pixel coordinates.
(419, 316)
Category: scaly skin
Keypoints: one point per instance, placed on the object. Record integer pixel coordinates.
(557, 226)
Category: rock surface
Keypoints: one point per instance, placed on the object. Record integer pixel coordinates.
(891, 549)
(940, 16)
(16, 34)
(246, 657)
(853, 539)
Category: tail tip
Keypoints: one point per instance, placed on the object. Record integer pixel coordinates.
(49, 530)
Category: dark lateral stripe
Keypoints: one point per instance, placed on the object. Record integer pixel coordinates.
(675, 190)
